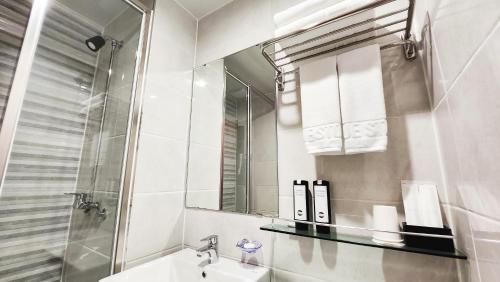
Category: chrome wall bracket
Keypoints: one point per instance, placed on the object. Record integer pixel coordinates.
(410, 49)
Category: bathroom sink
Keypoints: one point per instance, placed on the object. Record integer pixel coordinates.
(185, 266)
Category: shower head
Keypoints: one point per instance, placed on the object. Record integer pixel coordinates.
(95, 43)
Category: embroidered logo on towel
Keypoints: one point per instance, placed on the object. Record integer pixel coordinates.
(323, 136)
(365, 129)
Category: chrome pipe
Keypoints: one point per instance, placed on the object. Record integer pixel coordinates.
(383, 47)
(341, 47)
(115, 45)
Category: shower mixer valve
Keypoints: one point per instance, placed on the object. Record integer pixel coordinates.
(84, 202)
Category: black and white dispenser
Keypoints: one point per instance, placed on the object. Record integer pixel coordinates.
(321, 190)
(301, 203)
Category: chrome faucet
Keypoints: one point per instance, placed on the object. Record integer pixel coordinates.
(83, 201)
(210, 248)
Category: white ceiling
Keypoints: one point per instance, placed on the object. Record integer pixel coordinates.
(201, 8)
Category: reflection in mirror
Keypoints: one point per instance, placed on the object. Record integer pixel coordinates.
(232, 163)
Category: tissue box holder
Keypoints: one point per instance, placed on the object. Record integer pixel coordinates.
(430, 243)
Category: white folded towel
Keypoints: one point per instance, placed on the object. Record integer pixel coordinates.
(325, 12)
(321, 123)
(364, 120)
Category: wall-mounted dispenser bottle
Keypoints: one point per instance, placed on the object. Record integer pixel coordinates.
(321, 190)
(301, 203)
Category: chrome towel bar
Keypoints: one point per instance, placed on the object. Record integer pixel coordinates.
(284, 51)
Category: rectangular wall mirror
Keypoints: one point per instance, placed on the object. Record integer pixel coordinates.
(232, 163)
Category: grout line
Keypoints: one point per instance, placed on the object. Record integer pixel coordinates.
(472, 59)
(155, 255)
(442, 170)
(439, 83)
(174, 139)
(473, 245)
(484, 217)
(185, 9)
(300, 275)
(159, 192)
(215, 9)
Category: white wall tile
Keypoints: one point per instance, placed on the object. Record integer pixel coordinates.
(139, 261)
(205, 199)
(486, 234)
(160, 165)
(449, 153)
(286, 276)
(459, 27)
(466, 76)
(474, 104)
(331, 261)
(237, 26)
(169, 73)
(156, 221)
(167, 104)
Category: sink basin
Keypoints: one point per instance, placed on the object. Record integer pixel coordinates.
(185, 266)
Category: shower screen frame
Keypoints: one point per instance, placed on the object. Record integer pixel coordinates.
(16, 99)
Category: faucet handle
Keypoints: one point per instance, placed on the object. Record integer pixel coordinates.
(212, 239)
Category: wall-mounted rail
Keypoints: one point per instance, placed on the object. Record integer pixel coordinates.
(368, 24)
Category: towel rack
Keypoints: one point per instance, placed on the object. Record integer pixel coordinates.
(323, 38)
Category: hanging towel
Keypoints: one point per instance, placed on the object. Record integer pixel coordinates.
(324, 13)
(362, 102)
(321, 123)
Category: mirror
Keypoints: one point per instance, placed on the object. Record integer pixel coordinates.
(232, 162)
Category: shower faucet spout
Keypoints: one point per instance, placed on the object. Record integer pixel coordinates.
(84, 202)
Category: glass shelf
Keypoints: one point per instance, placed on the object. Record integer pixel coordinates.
(357, 240)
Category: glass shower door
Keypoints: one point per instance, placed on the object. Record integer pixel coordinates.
(61, 188)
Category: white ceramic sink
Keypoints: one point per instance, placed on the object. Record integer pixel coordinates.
(185, 266)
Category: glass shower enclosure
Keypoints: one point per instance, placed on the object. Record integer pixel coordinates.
(70, 71)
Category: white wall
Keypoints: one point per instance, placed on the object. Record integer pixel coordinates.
(156, 220)
(360, 180)
(466, 107)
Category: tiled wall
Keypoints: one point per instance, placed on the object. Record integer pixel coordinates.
(465, 85)
(156, 219)
(466, 107)
(359, 181)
